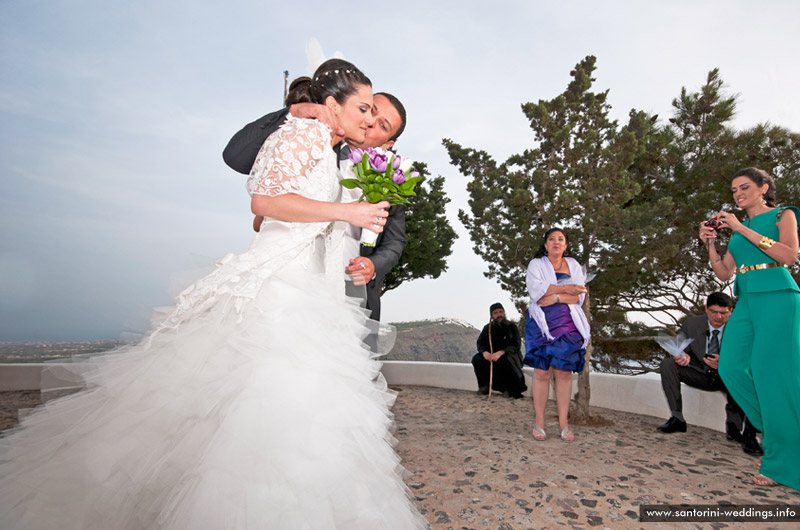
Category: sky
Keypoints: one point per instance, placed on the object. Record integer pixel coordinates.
(113, 117)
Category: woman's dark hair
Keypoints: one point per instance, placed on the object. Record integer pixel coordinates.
(542, 252)
(337, 78)
(298, 91)
(760, 177)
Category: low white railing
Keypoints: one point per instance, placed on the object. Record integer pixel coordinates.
(638, 394)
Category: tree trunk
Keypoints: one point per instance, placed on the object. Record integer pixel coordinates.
(579, 412)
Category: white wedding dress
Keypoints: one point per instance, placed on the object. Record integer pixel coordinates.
(253, 405)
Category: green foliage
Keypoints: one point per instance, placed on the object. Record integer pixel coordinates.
(694, 169)
(430, 235)
(585, 175)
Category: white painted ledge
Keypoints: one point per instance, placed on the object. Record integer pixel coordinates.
(640, 394)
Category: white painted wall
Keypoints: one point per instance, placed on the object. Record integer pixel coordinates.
(640, 394)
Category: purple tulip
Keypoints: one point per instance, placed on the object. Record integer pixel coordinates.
(414, 174)
(397, 161)
(356, 155)
(398, 177)
(378, 161)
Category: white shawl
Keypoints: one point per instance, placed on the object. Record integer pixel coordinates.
(539, 278)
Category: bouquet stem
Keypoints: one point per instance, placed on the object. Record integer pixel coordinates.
(368, 237)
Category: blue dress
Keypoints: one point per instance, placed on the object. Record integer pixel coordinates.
(565, 351)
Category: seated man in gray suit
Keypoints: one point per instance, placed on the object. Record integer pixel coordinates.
(697, 367)
(367, 265)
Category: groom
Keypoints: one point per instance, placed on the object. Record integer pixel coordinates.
(369, 265)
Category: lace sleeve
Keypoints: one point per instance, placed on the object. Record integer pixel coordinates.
(288, 158)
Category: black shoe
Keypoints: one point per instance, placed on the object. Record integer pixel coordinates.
(673, 425)
(483, 390)
(750, 443)
(732, 433)
(516, 396)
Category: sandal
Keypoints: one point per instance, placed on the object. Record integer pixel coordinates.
(567, 435)
(538, 433)
(763, 480)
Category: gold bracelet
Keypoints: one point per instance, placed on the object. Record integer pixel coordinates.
(766, 243)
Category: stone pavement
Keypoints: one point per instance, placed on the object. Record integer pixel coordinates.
(474, 465)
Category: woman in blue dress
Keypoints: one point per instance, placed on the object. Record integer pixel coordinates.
(556, 328)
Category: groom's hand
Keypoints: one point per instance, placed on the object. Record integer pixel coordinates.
(361, 269)
(317, 112)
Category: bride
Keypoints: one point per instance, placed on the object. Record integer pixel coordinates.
(254, 404)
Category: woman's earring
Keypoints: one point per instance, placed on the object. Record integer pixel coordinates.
(763, 200)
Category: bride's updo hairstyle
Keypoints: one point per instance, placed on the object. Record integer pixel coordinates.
(337, 78)
(759, 178)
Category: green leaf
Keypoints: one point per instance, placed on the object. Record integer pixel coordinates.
(374, 197)
(350, 184)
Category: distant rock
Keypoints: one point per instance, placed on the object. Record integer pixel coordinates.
(443, 340)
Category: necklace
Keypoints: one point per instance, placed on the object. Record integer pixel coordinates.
(560, 265)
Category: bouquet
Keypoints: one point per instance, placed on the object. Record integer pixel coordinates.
(381, 176)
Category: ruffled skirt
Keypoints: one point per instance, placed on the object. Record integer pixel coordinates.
(565, 351)
(273, 416)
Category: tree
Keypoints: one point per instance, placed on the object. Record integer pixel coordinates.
(694, 168)
(579, 176)
(430, 235)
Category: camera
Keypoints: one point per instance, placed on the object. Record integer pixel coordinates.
(713, 223)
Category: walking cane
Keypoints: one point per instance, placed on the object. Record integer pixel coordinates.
(491, 363)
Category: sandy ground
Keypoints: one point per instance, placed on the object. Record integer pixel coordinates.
(474, 465)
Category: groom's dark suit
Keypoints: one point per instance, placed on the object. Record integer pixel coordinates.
(697, 374)
(240, 154)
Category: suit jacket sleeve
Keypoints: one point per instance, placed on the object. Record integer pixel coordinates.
(390, 247)
(242, 149)
(695, 328)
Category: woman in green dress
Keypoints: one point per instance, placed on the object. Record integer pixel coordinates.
(760, 352)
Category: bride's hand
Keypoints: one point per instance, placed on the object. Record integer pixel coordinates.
(317, 112)
(368, 215)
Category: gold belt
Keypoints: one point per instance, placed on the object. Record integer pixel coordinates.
(742, 270)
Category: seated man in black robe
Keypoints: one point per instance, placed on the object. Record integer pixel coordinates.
(503, 351)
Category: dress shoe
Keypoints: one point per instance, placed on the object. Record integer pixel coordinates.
(750, 443)
(483, 390)
(732, 433)
(673, 425)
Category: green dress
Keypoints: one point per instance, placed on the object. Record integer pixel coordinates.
(760, 352)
